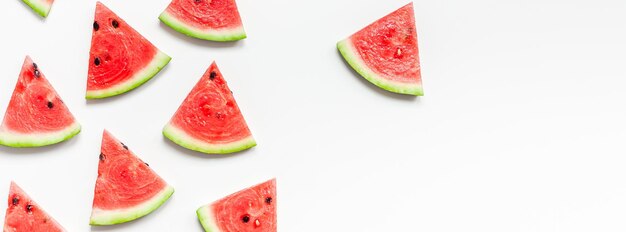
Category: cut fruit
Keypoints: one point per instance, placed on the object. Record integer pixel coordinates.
(386, 53)
(209, 119)
(252, 209)
(24, 215)
(216, 20)
(120, 58)
(41, 7)
(126, 188)
(36, 115)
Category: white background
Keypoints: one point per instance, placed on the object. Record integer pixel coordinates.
(522, 127)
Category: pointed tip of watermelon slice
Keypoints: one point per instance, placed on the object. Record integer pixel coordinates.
(354, 60)
(112, 217)
(225, 35)
(41, 7)
(181, 138)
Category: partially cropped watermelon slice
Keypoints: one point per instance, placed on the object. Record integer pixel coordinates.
(216, 20)
(24, 215)
(209, 119)
(120, 58)
(36, 115)
(126, 188)
(386, 54)
(252, 209)
(42, 7)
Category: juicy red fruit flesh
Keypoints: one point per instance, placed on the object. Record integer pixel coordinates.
(248, 210)
(206, 14)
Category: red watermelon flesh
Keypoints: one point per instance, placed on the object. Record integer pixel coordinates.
(36, 115)
(216, 20)
(120, 58)
(126, 188)
(24, 215)
(209, 119)
(386, 52)
(251, 209)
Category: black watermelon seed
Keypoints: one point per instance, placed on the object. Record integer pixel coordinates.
(35, 66)
(147, 164)
(29, 208)
(37, 74)
(268, 200)
(198, 1)
(50, 105)
(15, 201)
(102, 157)
(212, 75)
(96, 61)
(115, 23)
(245, 218)
(95, 26)
(124, 145)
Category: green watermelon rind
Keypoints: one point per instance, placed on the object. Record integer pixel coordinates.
(225, 35)
(181, 138)
(353, 58)
(39, 7)
(159, 61)
(113, 217)
(207, 219)
(15, 139)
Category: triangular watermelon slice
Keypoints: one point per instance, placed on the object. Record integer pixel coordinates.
(120, 58)
(36, 115)
(126, 188)
(209, 119)
(386, 54)
(24, 215)
(216, 20)
(252, 209)
(42, 7)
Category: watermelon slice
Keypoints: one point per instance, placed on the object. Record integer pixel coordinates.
(24, 215)
(36, 115)
(252, 209)
(126, 188)
(216, 20)
(209, 119)
(386, 54)
(42, 7)
(120, 58)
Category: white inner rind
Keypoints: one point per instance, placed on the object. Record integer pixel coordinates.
(158, 62)
(17, 139)
(207, 219)
(111, 217)
(182, 138)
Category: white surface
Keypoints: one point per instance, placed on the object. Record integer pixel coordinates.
(521, 129)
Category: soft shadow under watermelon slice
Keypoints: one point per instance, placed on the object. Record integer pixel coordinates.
(216, 20)
(36, 115)
(209, 119)
(24, 215)
(249, 210)
(126, 188)
(386, 53)
(120, 58)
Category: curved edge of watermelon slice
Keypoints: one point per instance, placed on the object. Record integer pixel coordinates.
(353, 58)
(220, 36)
(41, 7)
(112, 217)
(158, 62)
(207, 219)
(181, 138)
(15, 139)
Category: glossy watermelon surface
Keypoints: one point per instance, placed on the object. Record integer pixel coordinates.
(209, 119)
(216, 20)
(386, 52)
(25, 215)
(36, 115)
(120, 58)
(126, 188)
(251, 209)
